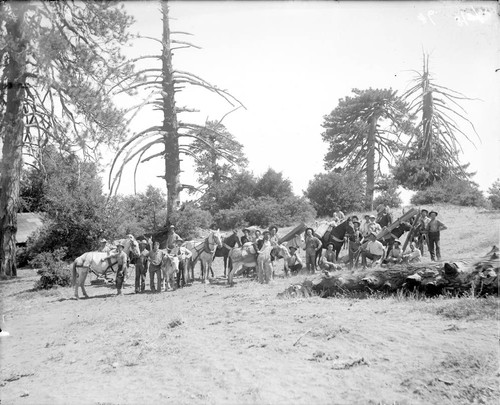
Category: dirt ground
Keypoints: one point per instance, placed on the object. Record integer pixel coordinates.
(212, 344)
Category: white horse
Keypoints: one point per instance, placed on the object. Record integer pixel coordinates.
(91, 261)
(169, 268)
(204, 251)
(246, 257)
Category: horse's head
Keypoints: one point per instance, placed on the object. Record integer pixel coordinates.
(170, 261)
(216, 237)
(282, 251)
(133, 246)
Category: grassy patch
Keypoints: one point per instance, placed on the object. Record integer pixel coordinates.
(469, 309)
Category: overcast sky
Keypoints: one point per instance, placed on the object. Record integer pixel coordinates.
(290, 62)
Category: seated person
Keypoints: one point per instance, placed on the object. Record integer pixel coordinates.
(414, 256)
(395, 255)
(328, 259)
(294, 262)
(374, 250)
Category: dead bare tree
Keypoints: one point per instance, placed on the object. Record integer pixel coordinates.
(173, 135)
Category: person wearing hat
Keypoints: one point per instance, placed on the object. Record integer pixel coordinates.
(374, 250)
(103, 246)
(121, 259)
(294, 263)
(171, 238)
(142, 266)
(312, 246)
(355, 237)
(184, 254)
(395, 255)
(155, 259)
(364, 227)
(246, 236)
(273, 237)
(421, 230)
(414, 255)
(384, 218)
(434, 228)
(328, 258)
(373, 226)
(264, 266)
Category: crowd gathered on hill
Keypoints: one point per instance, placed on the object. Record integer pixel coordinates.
(369, 241)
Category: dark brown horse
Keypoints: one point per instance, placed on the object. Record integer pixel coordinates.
(228, 243)
(336, 236)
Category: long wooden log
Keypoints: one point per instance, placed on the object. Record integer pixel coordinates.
(479, 277)
(405, 217)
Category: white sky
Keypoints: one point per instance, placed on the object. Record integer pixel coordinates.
(290, 62)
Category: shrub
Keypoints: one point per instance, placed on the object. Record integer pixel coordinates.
(388, 193)
(452, 191)
(494, 194)
(52, 270)
(330, 190)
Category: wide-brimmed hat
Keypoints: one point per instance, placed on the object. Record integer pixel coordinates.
(398, 242)
(143, 241)
(245, 230)
(130, 236)
(120, 244)
(433, 212)
(372, 234)
(330, 243)
(372, 216)
(312, 230)
(266, 231)
(180, 240)
(103, 241)
(356, 222)
(172, 226)
(273, 227)
(293, 247)
(423, 209)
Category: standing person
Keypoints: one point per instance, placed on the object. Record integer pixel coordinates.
(273, 236)
(421, 230)
(364, 228)
(384, 219)
(141, 266)
(312, 245)
(121, 258)
(246, 236)
(183, 254)
(328, 258)
(294, 262)
(103, 246)
(373, 226)
(355, 239)
(264, 268)
(434, 227)
(172, 238)
(374, 250)
(155, 257)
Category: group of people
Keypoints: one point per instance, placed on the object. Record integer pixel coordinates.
(362, 242)
(151, 259)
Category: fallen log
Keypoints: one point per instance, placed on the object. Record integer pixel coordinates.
(479, 277)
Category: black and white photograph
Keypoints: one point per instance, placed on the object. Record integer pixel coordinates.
(249, 202)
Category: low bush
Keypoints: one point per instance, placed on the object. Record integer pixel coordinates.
(52, 270)
(452, 191)
(494, 195)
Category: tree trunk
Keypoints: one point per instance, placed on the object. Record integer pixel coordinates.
(170, 125)
(428, 278)
(370, 162)
(13, 134)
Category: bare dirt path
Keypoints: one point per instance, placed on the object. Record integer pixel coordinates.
(211, 344)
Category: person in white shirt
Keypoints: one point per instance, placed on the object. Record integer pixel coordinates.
(374, 226)
(374, 250)
(414, 256)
